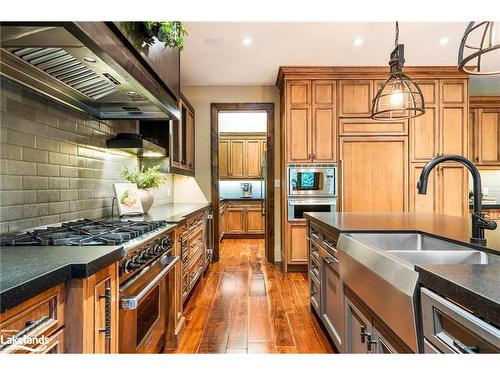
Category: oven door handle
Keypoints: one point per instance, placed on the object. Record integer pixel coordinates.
(131, 302)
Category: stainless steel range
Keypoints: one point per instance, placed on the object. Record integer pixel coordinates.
(147, 259)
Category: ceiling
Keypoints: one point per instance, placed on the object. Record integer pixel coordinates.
(215, 55)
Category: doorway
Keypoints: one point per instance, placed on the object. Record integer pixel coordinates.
(247, 176)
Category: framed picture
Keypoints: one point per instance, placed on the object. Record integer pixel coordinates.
(127, 198)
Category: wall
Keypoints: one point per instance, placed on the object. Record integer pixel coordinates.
(54, 165)
(201, 98)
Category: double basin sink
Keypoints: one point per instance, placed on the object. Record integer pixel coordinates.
(416, 248)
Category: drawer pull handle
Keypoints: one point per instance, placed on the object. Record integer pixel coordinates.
(107, 313)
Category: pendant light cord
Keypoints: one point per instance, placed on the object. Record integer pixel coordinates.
(396, 41)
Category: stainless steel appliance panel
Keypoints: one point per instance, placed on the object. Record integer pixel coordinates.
(451, 329)
(313, 180)
(297, 207)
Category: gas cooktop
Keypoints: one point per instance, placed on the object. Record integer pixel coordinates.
(84, 232)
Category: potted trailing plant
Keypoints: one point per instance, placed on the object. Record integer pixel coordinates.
(145, 179)
(171, 33)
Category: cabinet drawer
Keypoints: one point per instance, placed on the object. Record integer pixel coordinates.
(315, 293)
(371, 127)
(39, 316)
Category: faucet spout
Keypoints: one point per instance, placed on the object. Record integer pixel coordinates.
(479, 224)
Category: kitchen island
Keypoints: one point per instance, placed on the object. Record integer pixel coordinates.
(375, 252)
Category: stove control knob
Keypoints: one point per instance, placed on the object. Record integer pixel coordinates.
(167, 241)
(158, 249)
(131, 266)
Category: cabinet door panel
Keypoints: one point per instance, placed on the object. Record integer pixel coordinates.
(375, 173)
(298, 92)
(190, 141)
(223, 159)
(356, 327)
(252, 159)
(453, 131)
(255, 220)
(355, 98)
(453, 92)
(422, 202)
(324, 135)
(489, 137)
(298, 131)
(235, 220)
(453, 185)
(237, 158)
(324, 93)
(357, 127)
(424, 135)
(297, 243)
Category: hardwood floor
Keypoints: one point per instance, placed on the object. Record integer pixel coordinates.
(246, 305)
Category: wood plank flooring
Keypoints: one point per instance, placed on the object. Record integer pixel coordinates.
(246, 305)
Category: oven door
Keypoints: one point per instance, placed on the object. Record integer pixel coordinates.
(143, 309)
(297, 208)
(306, 181)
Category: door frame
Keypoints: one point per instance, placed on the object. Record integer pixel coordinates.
(214, 135)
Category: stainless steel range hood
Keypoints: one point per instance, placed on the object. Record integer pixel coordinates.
(87, 66)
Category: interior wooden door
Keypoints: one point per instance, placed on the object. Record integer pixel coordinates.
(453, 189)
(235, 220)
(422, 202)
(297, 243)
(374, 173)
(224, 159)
(488, 135)
(253, 158)
(237, 158)
(324, 122)
(355, 98)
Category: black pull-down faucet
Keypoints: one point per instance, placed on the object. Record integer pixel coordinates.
(479, 224)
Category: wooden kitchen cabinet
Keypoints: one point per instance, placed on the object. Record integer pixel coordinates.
(48, 305)
(361, 127)
(237, 158)
(87, 315)
(484, 130)
(241, 155)
(182, 140)
(223, 159)
(442, 129)
(374, 172)
(244, 218)
(447, 190)
(312, 123)
(235, 223)
(355, 98)
(297, 252)
(357, 327)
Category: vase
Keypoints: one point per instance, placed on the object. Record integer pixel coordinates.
(147, 198)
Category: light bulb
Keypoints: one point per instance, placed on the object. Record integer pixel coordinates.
(397, 98)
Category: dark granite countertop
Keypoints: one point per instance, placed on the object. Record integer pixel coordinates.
(174, 212)
(26, 271)
(473, 286)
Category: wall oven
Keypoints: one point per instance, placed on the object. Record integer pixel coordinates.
(318, 180)
(297, 207)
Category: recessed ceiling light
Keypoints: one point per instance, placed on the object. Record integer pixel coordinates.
(131, 93)
(444, 40)
(246, 41)
(215, 42)
(89, 59)
(358, 41)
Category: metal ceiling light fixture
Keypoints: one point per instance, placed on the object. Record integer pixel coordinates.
(399, 97)
(481, 41)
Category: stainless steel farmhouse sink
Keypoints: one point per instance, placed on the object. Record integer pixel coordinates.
(416, 248)
(380, 269)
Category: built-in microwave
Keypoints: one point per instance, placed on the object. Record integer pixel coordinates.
(313, 180)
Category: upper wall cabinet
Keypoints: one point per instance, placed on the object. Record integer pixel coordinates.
(442, 129)
(311, 125)
(484, 130)
(355, 98)
(182, 140)
(241, 155)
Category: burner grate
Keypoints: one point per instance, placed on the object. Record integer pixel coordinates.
(84, 232)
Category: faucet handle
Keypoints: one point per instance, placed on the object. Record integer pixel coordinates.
(483, 223)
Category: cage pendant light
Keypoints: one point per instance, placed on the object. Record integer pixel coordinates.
(479, 52)
(399, 97)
